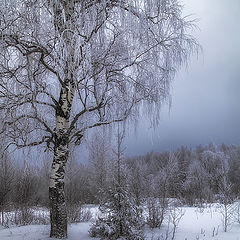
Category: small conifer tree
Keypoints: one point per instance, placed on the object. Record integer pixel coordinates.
(122, 217)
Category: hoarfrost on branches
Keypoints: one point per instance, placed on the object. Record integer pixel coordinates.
(68, 66)
(114, 53)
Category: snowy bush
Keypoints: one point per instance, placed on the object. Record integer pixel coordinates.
(237, 212)
(106, 229)
(76, 213)
(25, 216)
(156, 212)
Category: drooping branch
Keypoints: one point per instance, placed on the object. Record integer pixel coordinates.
(102, 57)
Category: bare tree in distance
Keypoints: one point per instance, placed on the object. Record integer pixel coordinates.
(69, 66)
(7, 173)
(100, 153)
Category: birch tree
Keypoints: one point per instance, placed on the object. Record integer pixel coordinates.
(68, 66)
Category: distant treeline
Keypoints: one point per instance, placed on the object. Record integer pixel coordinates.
(203, 174)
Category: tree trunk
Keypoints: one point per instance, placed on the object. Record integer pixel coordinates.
(63, 20)
(58, 211)
(2, 212)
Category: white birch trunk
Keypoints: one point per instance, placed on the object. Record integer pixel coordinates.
(58, 212)
(63, 11)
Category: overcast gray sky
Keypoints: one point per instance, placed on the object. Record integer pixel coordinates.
(205, 97)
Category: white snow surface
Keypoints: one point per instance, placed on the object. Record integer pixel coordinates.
(200, 224)
(196, 224)
(77, 231)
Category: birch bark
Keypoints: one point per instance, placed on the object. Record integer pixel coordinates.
(58, 212)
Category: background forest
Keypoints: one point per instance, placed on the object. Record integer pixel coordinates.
(204, 174)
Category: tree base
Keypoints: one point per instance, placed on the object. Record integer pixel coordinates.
(58, 213)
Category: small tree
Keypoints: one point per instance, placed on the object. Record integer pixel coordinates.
(100, 153)
(217, 163)
(194, 192)
(157, 204)
(122, 215)
(175, 215)
(225, 191)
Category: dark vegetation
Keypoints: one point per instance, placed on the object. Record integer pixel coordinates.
(195, 176)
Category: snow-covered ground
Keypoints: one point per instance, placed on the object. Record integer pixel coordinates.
(206, 224)
(77, 231)
(201, 224)
(196, 224)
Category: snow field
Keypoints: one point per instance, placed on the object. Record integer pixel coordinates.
(196, 224)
